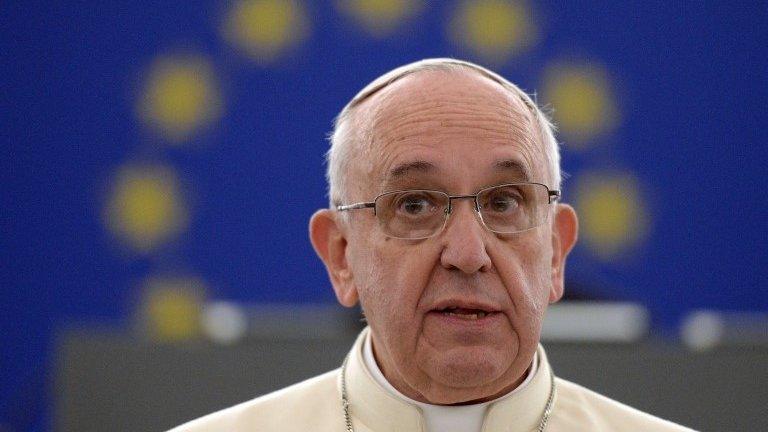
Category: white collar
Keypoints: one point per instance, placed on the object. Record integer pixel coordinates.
(442, 418)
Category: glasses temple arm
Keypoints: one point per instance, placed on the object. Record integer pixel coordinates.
(356, 206)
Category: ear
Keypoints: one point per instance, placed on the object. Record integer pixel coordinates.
(330, 243)
(565, 231)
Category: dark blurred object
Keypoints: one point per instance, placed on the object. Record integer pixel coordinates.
(108, 381)
(707, 329)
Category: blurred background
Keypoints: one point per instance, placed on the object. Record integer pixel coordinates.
(160, 161)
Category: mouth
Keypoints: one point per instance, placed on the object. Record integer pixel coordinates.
(464, 313)
(469, 314)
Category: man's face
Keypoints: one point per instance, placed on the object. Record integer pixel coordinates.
(455, 132)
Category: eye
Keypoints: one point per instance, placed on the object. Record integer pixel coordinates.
(415, 204)
(502, 200)
(503, 204)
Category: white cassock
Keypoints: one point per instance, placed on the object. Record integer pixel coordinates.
(375, 406)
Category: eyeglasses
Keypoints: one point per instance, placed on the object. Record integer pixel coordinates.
(419, 214)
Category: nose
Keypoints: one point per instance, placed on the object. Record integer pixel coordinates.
(464, 240)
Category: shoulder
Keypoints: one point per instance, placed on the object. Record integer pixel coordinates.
(313, 404)
(578, 408)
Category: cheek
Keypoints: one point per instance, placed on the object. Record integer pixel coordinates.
(534, 257)
(528, 282)
(402, 272)
(391, 282)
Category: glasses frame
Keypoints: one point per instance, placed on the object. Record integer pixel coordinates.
(553, 196)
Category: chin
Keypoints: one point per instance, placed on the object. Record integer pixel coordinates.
(468, 368)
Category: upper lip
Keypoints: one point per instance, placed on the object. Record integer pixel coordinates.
(463, 304)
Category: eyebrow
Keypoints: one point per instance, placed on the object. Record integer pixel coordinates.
(514, 168)
(403, 170)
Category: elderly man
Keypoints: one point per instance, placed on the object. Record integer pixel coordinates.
(445, 225)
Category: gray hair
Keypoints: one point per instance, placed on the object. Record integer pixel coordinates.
(349, 130)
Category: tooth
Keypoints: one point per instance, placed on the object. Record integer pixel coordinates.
(467, 316)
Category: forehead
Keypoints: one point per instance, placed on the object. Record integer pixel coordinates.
(450, 123)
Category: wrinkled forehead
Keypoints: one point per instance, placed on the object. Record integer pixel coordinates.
(435, 95)
(446, 105)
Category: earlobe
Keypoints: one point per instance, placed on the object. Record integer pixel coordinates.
(565, 231)
(330, 244)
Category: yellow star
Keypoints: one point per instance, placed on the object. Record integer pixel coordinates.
(171, 308)
(582, 100)
(265, 29)
(613, 217)
(494, 30)
(145, 208)
(380, 17)
(180, 96)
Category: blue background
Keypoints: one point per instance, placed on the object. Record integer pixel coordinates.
(691, 89)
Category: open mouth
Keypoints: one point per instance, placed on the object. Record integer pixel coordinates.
(465, 313)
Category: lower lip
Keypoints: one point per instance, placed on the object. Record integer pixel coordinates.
(456, 321)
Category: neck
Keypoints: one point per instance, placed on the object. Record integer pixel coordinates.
(376, 403)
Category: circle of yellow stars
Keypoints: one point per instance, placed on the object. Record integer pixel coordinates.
(181, 96)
